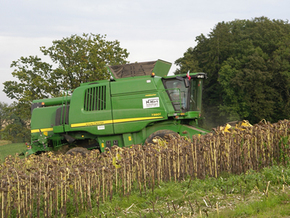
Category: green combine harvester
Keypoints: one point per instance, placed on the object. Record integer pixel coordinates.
(138, 103)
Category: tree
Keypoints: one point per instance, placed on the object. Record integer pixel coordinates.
(74, 60)
(83, 59)
(247, 62)
(16, 128)
(246, 83)
(34, 80)
(3, 116)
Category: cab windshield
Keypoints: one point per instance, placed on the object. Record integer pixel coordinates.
(184, 98)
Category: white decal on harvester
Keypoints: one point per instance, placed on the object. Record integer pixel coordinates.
(101, 127)
(150, 102)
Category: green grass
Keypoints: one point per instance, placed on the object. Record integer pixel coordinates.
(276, 205)
(11, 149)
(246, 195)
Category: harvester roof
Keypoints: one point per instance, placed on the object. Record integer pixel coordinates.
(159, 67)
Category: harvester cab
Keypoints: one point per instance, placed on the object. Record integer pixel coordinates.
(138, 103)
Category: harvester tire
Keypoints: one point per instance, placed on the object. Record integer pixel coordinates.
(160, 134)
(78, 150)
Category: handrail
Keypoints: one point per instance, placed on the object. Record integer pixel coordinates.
(64, 106)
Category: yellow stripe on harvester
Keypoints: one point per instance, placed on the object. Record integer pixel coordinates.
(42, 130)
(113, 121)
(135, 119)
(97, 123)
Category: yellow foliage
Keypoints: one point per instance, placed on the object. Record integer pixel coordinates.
(238, 126)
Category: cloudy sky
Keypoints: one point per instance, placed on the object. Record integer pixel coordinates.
(148, 29)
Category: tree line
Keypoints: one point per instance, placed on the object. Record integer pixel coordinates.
(247, 63)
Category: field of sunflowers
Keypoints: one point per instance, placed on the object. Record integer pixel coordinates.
(56, 185)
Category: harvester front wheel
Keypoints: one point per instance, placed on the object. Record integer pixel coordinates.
(78, 150)
(160, 134)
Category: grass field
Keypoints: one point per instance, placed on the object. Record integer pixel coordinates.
(11, 149)
(255, 194)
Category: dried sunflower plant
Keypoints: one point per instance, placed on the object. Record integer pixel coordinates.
(51, 185)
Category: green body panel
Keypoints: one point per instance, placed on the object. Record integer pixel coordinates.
(161, 68)
(122, 111)
(43, 117)
(129, 98)
(91, 121)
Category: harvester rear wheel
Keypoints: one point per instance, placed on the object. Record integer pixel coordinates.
(160, 134)
(78, 150)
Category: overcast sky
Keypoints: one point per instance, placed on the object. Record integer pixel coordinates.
(148, 29)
